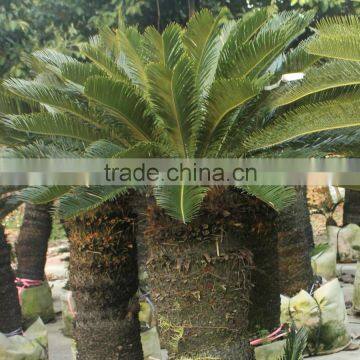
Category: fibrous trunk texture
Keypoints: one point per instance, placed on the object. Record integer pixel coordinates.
(32, 243)
(294, 246)
(10, 312)
(261, 239)
(200, 276)
(351, 207)
(104, 279)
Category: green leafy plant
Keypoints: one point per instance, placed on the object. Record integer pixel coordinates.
(320, 249)
(295, 344)
(188, 92)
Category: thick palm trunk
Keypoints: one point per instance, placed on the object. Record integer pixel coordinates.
(32, 243)
(294, 246)
(261, 240)
(351, 207)
(104, 279)
(200, 276)
(10, 312)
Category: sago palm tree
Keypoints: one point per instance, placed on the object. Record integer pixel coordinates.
(32, 242)
(193, 92)
(112, 276)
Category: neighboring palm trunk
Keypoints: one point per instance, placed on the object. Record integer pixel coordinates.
(295, 242)
(32, 243)
(10, 312)
(104, 279)
(200, 276)
(351, 207)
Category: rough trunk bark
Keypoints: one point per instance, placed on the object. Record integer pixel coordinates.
(10, 312)
(104, 279)
(200, 276)
(32, 243)
(351, 207)
(294, 246)
(262, 241)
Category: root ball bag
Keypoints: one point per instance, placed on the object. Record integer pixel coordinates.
(344, 240)
(323, 314)
(37, 302)
(32, 346)
(324, 264)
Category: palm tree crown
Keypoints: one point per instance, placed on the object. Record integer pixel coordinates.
(198, 91)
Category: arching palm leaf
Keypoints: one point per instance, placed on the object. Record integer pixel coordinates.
(338, 38)
(173, 94)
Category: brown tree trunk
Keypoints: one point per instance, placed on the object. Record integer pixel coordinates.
(351, 207)
(200, 276)
(10, 312)
(32, 243)
(104, 279)
(295, 240)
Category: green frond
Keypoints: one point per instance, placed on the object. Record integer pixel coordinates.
(165, 49)
(344, 25)
(255, 57)
(12, 104)
(203, 43)
(347, 92)
(42, 194)
(122, 101)
(278, 197)
(242, 32)
(153, 45)
(57, 124)
(142, 150)
(103, 61)
(49, 59)
(341, 113)
(10, 137)
(130, 59)
(39, 149)
(181, 202)
(110, 41)
(225, 97)
(295, 344)
(53, 57)
(174, 98)
(44, 94)
(298, 59)
(343, 142)
(82, 199)
(79, 72)
(338, 38)
(331, 75)
(60, 99)
(102, 149)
